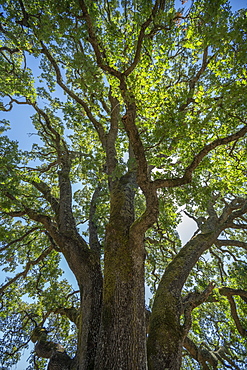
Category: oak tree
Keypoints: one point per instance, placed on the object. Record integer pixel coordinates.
(139, 113)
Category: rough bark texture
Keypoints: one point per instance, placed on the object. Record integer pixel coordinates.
(167, 334)
(123, 320)
(91, 298)
(59, 359)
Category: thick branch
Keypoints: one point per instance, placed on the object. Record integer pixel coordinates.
(179, 269)
(94, 42)
(232, 225)
(204, 356)
(93, 234)
(141, 36)
(230, 243)
(63, 207)
(141, 166)
(195, 299)
(201, 354)
(67, 224)
(236, 208)
(47, 349)
(239, 206)
(192, 301)
(111, 153)
(26, 15)
(187, 177)
(46, 191)
(229, 293)
(72, 313)
(205, 62)
(138, 149)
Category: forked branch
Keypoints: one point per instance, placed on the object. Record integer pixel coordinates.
(95, 44)
(98, 126)
(229, 293)
(187, 177)
(141, 36)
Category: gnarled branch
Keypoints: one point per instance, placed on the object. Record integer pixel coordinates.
(191, 301)
(187, 177)
(229, 293)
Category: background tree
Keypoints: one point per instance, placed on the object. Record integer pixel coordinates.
(140, 109)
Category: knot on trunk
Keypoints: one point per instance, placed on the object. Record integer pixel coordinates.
(59, 359)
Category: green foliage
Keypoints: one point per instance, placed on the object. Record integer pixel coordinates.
(188, 83)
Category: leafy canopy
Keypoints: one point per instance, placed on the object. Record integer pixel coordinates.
(76, 67)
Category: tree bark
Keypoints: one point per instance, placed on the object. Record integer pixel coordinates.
(123, 334)
(167, 332)
(86, 267)
(91, 299)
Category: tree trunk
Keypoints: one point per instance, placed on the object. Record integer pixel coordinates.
(165, 340)
(167, 333)
(89, 321)
(86, 267)
(123, 334)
